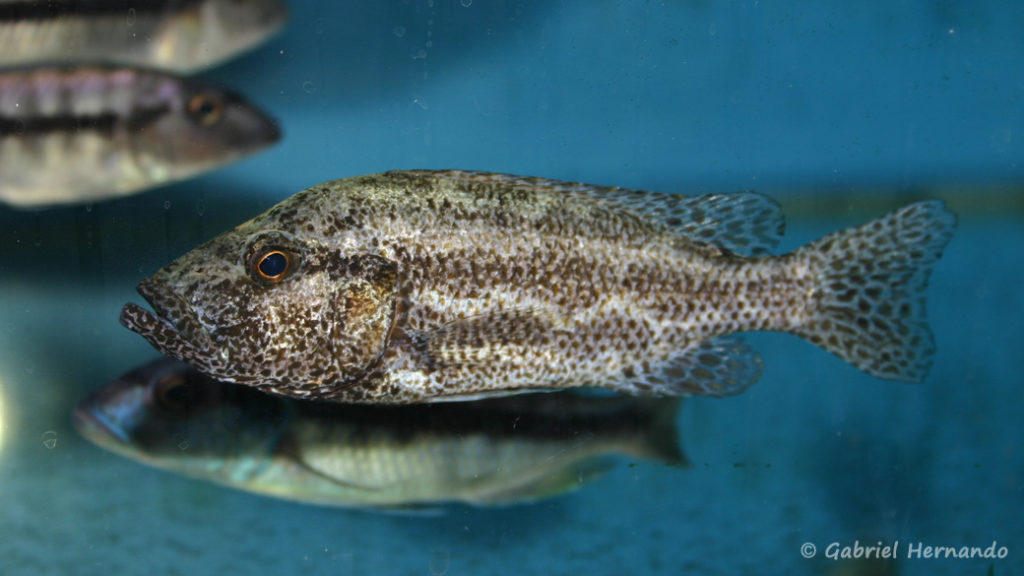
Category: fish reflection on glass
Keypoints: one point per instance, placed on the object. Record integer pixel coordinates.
(175, 35)
(421, 286)
(87, 133)
(501, 451)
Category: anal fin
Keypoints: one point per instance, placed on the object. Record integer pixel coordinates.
(720, 366)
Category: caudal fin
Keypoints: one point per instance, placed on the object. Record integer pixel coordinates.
(869, 305)
(659, 438)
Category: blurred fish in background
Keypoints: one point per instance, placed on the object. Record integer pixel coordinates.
(177, 35)
(503, 451)
(74, 134)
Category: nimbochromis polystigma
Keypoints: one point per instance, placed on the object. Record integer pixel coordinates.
(422, 286)
(499, 451)
(176, 35)
(75, 134)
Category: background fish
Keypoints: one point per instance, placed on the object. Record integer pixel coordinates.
(500, 451)
(422, 286)
(176, 35)
(80, 134)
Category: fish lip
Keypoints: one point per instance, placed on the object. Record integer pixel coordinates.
(159, 332)
(169, 328)
(95, 426)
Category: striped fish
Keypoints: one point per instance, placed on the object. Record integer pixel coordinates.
(420, 286)
(501, 451)
(175, 35)
(81, 134)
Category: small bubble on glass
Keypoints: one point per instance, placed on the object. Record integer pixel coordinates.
(50, 439)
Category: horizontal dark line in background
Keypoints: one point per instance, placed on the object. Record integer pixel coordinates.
(50, 9)
(975, 202)
(105, 123)
(120, 241)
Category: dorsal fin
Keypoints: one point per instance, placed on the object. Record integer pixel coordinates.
(746, 223)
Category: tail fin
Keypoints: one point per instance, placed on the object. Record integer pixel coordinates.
(869, 306)
(659, 439)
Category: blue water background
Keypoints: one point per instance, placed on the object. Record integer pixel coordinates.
(841, 110)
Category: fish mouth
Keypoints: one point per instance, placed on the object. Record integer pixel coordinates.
(94, 425)
(169, 328)
(258, 128)
(106, 419)
(271, 132)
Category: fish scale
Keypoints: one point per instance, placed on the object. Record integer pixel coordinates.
(424, 286)
(580, 347)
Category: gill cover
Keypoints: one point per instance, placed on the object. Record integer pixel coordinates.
(314, 319)
(364, 313)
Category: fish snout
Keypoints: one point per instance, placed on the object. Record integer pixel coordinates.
(172, 327)
(271, 131)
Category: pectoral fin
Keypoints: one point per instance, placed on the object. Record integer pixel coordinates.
(487, 338)
(557, 482)
(319, 464)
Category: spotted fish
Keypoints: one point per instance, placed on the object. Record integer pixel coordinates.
(421, 286)
(73, 134)
(176, 35)
(499, 451)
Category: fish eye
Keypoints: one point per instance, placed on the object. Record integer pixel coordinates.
(272, 258)
(272, 265)
(206, 108)
(174, 393)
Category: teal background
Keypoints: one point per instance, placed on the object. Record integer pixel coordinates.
(839, 110)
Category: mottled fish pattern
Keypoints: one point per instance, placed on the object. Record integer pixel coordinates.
(72, 134)
(499, 451)
(175, 35)
(420, 286)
